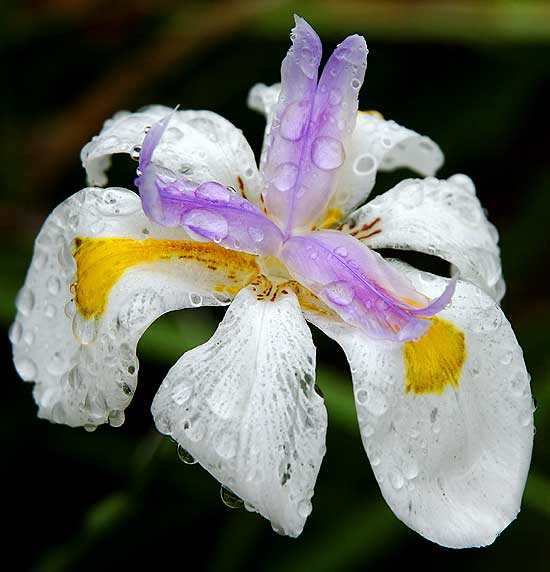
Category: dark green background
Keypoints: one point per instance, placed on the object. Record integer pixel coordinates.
(473, 76)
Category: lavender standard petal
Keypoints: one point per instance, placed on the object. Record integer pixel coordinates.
(306, 151)
(360, 286)
(288, 132)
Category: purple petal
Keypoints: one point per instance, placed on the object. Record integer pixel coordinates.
(209, 211)
(360, 285)
(288, 133)
(306, 151)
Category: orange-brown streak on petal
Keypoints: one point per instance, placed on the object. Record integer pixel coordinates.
(101, 262)
(435, 360)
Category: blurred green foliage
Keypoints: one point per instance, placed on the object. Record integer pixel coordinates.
(472, 75)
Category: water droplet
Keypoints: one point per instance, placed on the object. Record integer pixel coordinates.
(213, 192)
(256, 234)
(284, 177)
(507, 358)
(334, 97)
(525, 418)
(294, 119)
(127, 389)
(116, 418)
(314, 255)
(70, 309)
(340, 292)
(135, 152)
(50, 311)
(25, 301)
(410, 470)
(75, 379)
(185, 456)
(226, 445)
(230, 499)
(15, 333)
(26, 369)
(57, 364)
(341, 251)
(28, 337)
(355, 83)
(327, 153)
(396, 479)
(195, 299)
(39, 260)
(90, 428)
(211, 224)
(182, 392)
(308, 63)
(361, 396)
(304, 508)
(84, 330)
(364, 164)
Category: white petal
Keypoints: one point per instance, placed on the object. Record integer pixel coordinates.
(438, 217)
(244, 406)
(452, 466)
(199, 145)
(379, 144)
(86, 370)
(263, 99)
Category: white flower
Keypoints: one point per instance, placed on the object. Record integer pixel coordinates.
(443, 402)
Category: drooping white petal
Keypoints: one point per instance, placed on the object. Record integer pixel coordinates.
(81, 355)
(199, 145)
(244, 406)
(377, 144)
(438, 217)
(452, 466)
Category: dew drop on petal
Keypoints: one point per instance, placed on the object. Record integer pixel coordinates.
(339, 292)
(26, 368)
(25, 301)
(182, 392)
(284, 177)
(341, 251)
(116, 418)
(256, 234)
(230, 499)
(15, 333)
(207, 222)
(212, 192)
(361, 396)
(304, 508)
(185, 456)
(396, 479)
(327, 153)
(364, 164)
(293, 120)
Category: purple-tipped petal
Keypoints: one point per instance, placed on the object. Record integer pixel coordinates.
(360, 285)
(308, 138)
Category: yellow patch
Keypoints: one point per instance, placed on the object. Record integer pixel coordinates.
(332, 216)
(435, 360)
(372, 112)
(100, 263)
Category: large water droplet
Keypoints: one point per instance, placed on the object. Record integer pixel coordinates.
(396, 479)
(53, 285)
(341, 251)
(213, 192)
(185, 456)
(364, 164)
(25, 301)
(50, 311)
(294, 120)
(26, 368)
(182, 392)
(116, 418)
(308, 62)
(195, 299)
(340, 292)
(284, 177)
(327, 153)
(304, 508)
(211, 224)
(230, 499)
(15, 333)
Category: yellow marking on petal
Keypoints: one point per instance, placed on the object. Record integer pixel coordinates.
(309, 302)
(101, 262)
(435, 360)
(332, 216)
(372, 112)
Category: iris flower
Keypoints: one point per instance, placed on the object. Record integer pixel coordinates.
(441, 389)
